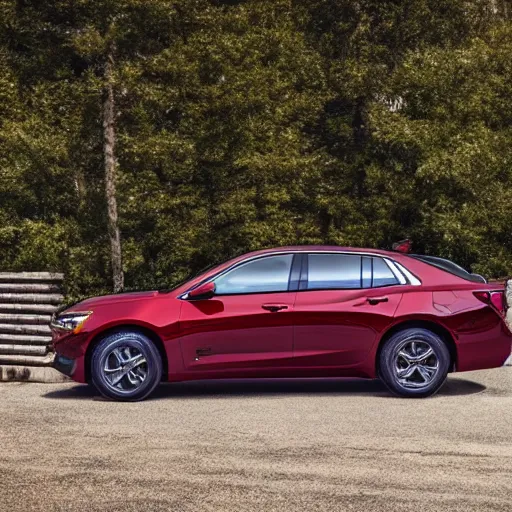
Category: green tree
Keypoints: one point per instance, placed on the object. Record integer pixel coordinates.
(236, 125)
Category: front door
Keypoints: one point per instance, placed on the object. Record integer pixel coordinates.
(247, 324)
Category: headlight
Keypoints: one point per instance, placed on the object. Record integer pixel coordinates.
(72, 321)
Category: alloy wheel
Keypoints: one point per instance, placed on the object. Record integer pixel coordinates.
(125, 368)
(416, 364)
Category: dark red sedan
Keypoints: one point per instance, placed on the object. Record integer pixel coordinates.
(291, 312)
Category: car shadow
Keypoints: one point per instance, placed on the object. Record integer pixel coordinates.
(233, 388)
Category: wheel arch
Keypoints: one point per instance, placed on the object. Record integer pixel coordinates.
(431, 325)
(152, 335)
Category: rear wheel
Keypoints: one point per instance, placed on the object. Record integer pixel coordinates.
(414, 363)
(126, 366)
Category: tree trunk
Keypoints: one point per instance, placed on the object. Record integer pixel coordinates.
(360, 135)
(110, 173)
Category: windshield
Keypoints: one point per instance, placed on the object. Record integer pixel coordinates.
(199, 273)
(191, 276)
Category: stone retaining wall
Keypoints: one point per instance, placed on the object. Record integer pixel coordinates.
(27, 301)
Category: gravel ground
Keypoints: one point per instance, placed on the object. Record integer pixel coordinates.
(271, 445)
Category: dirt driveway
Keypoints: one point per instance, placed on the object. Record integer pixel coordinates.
(330, 445)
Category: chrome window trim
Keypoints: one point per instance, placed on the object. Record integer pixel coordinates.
(399, 276)
(393, 265)
(413, 280)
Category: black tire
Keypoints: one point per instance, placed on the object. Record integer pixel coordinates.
(139, 362)
(402, 368)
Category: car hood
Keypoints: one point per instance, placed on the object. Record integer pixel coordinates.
(111, 299)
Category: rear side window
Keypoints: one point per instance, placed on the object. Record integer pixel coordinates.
(348, 271)
(331, 271)
(382, 274)
(264, 275)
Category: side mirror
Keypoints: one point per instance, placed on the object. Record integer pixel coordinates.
(204, 291)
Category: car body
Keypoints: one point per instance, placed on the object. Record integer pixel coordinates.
(304, 311)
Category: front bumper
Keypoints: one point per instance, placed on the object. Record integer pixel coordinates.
(64, 364)
(70, 350)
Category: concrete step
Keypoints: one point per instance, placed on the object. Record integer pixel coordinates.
(23, 350)
(17, 373)
(28, 308)
(32, 298)
(19, 318)
(25, 329)
(24, 339)
(13, 277)
(26, 360)
(29, 288)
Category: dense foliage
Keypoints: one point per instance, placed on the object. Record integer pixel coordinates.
(248, 124)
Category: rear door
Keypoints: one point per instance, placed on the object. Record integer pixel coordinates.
(248, 324)
(345, 301)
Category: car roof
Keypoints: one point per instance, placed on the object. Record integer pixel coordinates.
(318, 248)
(429, 275)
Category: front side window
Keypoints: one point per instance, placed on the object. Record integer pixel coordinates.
(331, 271)
(264, 275)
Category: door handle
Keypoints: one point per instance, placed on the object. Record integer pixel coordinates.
(373, 301)
(274, 308)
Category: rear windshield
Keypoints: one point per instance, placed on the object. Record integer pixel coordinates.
(449, 266)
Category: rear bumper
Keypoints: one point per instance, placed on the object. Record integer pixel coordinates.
(485, 349)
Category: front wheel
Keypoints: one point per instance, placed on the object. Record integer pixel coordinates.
(126, 366)
(414, 363)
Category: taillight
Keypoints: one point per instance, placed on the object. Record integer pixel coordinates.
(494, 299)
